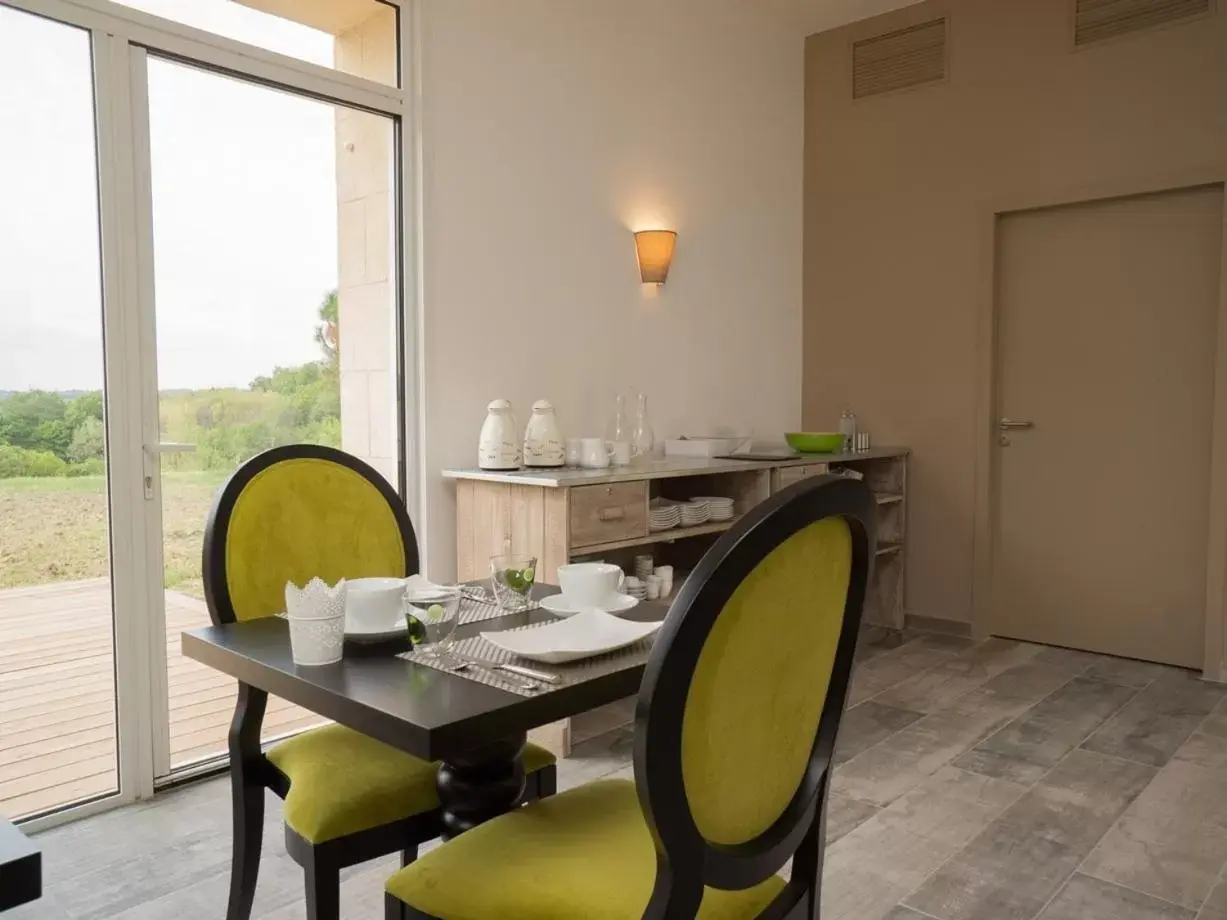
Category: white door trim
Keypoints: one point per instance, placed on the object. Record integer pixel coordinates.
(1215, 651)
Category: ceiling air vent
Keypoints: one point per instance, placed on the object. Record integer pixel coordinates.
(896, 60)
(1096, 20)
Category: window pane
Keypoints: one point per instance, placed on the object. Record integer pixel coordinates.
(57, 665)
(357, 37)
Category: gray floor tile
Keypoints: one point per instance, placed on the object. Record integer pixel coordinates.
(907, 758)
(1035, 742)
(886, 670)
(595, 758)
(905, 913)
(1085, 898)
(1012, 869)
(1158, 720)
(935, 688)
(1215, 907)
(1127, 672)
(845, 814)
(1172, 842)
(872, 868)
(866, 724)
(874, 640)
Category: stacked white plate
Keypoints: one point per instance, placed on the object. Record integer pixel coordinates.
(636, 588)
(695, 512)
(722, 509)
(664, 514)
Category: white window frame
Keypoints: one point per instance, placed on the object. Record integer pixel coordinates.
(121, 39)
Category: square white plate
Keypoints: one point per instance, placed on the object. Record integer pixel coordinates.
(592, 632)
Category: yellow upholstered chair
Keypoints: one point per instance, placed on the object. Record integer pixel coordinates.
(734, 731)
(290, 514)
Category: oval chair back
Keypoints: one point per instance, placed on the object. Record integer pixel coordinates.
(296, 512)
(737, 715)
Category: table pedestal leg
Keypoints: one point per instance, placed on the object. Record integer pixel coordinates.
(480, 785)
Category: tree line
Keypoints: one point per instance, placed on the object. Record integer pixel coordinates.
(45, 433)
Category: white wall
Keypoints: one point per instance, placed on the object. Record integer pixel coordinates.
(552, 128)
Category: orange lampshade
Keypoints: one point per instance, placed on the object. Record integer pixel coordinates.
(655, 250)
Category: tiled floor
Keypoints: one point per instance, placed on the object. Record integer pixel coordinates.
(990, 781)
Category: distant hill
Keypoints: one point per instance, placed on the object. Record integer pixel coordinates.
(64, 394)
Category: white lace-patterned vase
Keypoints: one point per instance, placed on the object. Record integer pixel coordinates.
(316, 614)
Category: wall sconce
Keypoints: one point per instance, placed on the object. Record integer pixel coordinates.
(655, 251)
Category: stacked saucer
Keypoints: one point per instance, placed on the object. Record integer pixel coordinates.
(664, 514)
(695, 512)
(635, 588)
(722, 509)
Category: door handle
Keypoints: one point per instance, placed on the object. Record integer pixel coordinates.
(169, 447)
(1015, 424)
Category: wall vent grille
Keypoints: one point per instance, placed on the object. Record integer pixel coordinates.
(1097, 20)
(897, 60)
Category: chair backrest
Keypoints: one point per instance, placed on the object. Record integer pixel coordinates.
(739, 707)
(296, 512)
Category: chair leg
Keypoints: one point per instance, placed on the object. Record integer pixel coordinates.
(323, 891)
(394, 908)
(408, 855)
(247, 802)
(547, 781)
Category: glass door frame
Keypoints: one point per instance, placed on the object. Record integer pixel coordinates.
(122, 39)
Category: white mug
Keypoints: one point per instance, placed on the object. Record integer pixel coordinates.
(592, 454)
(590, 584)
(619, 452)
(574, 451)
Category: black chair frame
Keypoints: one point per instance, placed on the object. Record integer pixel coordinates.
(685, 861)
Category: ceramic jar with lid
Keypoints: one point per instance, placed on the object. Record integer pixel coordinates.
(544, 445)
(498, 448)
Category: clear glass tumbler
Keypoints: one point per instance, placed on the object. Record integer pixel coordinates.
(512, 577)
(432, 615)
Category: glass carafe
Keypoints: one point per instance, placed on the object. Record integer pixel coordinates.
(643, 440)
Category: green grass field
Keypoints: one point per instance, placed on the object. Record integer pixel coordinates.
(55, 529)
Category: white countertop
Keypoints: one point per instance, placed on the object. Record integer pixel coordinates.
(667, 468)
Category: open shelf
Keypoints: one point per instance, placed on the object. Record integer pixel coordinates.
(885, 549)
(888, 498)
(659, 536)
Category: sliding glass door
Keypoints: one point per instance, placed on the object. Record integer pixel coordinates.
(202, 254)
(276, 316)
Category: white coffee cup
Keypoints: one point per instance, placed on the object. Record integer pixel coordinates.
(374, 604)
(619, 452)
(590, 584)
(592, 454)
(574, 451)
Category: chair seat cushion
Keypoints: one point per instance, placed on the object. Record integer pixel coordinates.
(343, 782)
(584, 853)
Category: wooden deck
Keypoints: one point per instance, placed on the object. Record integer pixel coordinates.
(57, 695)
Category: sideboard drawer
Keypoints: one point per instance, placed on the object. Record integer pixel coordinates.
(606, 514)
(786, 476)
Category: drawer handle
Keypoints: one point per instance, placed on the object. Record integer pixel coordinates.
(611, 514)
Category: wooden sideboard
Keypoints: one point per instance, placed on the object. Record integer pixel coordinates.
(570, 515)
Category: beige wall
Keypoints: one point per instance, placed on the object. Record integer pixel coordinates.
(897, 189)
(551, 130)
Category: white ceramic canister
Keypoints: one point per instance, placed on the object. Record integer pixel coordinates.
(499, 445)
(544, 445)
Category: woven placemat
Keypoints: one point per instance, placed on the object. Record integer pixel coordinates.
(475, 611)
(575, 672)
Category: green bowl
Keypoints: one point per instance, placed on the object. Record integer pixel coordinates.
(815, 442)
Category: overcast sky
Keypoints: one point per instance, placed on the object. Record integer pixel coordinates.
(245, 208)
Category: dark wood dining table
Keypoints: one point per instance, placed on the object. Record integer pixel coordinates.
(475, 730)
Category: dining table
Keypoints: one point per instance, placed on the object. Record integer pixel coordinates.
(475, 729)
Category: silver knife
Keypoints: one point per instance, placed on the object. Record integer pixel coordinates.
(544, 676)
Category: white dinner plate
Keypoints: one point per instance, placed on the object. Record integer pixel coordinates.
(365, 634)
(558, 605)
(592, 632)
